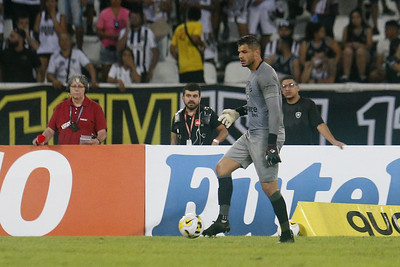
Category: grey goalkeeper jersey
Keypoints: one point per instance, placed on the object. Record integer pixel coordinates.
(264, 101)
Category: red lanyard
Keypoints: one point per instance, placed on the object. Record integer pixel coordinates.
(191, 126)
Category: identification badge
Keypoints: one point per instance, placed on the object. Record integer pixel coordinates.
(189, 142)
(65, 125)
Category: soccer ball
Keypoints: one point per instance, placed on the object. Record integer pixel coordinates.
(191, 225)
(294, 226)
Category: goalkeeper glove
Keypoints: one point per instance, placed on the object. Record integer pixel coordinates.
(273, 155)
(228, 117)
(272, 152)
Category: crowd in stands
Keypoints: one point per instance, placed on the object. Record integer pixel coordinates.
(47, 37)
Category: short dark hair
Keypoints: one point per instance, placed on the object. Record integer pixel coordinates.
(288, 77)
(392, 23)
(137, 10)
(311, 29)
(22, 15)
(192, 87)
(194, 13)
(250, 40)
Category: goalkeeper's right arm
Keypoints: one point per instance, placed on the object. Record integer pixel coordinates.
(229, 116)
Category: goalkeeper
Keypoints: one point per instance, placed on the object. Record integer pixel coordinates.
(260, 144)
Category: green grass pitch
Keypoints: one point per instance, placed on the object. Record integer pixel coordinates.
(181, 251)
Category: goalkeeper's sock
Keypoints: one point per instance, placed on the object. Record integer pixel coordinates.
(279, 205)
(225, 190)
(223, 213)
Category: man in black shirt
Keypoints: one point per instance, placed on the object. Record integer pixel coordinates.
(301, 117)
(17, 62)
(195, 124)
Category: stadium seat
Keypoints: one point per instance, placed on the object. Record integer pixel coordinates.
(165, 72)
(235, 73)
(210, 73)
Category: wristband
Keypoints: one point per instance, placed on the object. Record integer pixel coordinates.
(241, 110)
(272, 139)
(216, 141)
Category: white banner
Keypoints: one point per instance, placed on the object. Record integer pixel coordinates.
(182, 179)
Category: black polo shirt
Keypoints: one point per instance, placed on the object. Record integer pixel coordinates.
(18, 66)
(301, 120)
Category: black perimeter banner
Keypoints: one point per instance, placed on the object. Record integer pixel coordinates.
(142, 115)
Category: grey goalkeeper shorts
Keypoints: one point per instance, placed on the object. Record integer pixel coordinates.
(251, 147)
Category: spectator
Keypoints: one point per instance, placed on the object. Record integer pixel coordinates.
(393, 62)
(301, 117)
(68, 61)
(23, 24)
(72, 9)
(196, 124)
(378, 74)
(285, 30)
(31, 7)
(78, 120)
(186, 47)
(286, 63)
(325, 12)
(48, 25)
(124, 72)
(357, 42)
(316, 41)
(19, 63)
(109, 24)
(319, 70)
(140, 39)
(207, 8)
(262, 14)
(157, 15)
